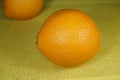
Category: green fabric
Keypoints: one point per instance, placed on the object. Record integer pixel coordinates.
(21, 60)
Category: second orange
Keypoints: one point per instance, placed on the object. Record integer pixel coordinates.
(22, 9)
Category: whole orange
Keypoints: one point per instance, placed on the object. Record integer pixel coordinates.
(22, 9)
(68, 38)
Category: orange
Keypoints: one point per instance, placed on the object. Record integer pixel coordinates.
(22, 9)
(68, 38)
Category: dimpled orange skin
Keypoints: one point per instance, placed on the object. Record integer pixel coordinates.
(22, 9)
(68, 38)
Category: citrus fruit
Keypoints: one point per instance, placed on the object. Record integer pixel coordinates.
(22, 9)
(68, 38)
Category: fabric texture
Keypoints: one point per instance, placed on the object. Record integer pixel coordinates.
(21, 60)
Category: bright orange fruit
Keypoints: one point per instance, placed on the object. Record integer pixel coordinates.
(68, 38)
(22, 9)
